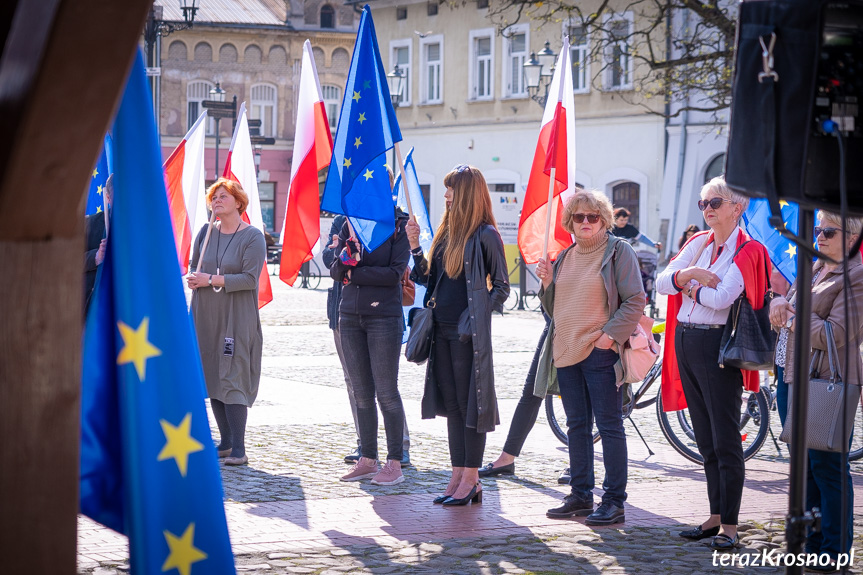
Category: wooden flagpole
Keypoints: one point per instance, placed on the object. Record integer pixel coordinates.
(210, 227)
(404, 180)
(548, 214)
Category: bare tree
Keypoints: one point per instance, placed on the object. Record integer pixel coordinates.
(679, 53)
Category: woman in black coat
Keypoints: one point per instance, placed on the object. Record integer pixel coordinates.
(467, 279)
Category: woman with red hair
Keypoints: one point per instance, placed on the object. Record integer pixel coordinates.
(225, 312)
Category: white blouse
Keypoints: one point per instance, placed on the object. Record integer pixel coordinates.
(713, 305)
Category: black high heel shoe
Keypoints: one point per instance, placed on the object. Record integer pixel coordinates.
(440, 499)
(474, 496)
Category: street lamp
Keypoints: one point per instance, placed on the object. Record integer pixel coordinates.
(396, 80)
(154, 30)
(217, 108)
(538, 72)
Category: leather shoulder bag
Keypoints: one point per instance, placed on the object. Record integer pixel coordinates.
(421, 322)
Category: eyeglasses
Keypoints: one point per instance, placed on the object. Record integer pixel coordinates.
(829, 233)
(713, 203)
(591, 218)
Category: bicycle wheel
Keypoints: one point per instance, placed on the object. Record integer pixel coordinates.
(555, 415)
(512, 299)
(531, 300)
(314, 275)
(754, 426)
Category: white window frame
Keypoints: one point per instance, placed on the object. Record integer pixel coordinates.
(199, 97)
(584, 61)
(424, 69)
(332, 97)
(257, 105)
(506, 65)
(405, 68)
(609, 21)
(472, 84)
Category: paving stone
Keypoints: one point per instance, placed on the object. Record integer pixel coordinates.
(465, 552)
(257, 567)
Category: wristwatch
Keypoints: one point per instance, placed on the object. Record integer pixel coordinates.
(609, 337)
(210, 280)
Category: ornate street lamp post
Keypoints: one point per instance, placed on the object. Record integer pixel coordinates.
(538, 72)
(396, 80)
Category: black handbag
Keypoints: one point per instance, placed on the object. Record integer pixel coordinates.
(748, 341)
(421, 322)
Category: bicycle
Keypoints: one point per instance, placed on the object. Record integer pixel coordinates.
(310, 274)
(675, 426)
(530, 299)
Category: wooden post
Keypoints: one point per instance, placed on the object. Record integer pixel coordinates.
(548, 214)
(53, 124)
(404, 181)
(210, 226)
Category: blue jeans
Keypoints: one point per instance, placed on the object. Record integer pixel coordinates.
(588, 389)
(824, 478)
(371, 346)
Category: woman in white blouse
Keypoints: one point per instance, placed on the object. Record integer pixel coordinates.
(704, 279)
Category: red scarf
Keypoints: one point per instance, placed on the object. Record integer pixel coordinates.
(752, 260)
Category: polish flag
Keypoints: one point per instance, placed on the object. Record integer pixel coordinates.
(184, 180)
(313, 148)
(240, 167)
(555, 154)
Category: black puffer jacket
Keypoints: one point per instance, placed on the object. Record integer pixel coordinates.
(483, 256)
(375, 286)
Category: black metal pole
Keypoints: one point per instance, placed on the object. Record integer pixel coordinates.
(217, 146)
(799, 518)
(151, 33)
(522, 282)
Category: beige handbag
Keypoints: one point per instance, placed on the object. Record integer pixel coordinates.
(828, 401)
(639, 352)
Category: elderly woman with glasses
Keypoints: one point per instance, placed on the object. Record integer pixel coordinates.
(704, 279)
(466, 279)
(827, 471)
(594, 296)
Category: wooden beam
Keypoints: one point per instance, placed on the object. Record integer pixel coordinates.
(68, 81)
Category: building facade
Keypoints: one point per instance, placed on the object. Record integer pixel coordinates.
(466, 101)
(253, 50)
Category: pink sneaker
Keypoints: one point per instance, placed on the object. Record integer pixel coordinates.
(391, 474)
(362, 469)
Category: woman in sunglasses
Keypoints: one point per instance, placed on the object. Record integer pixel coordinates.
(466, 279)
(594, 295)
(826, 472)
(703, 280)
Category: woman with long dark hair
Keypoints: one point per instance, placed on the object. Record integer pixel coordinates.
(467, 279)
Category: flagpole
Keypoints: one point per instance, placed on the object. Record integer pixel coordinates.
(206, 241)
(548, 214)
(105, 207)
(404, 180)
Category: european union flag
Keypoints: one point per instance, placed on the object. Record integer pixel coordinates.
(148, 463)
(783, 253)
(99, 177)
(422, 216)
(357, 181)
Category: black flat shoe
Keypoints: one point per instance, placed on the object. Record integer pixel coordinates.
(698, 533)
(491, 471)
(723, 542)
(606, 514)
(474, 496)
(440, 499)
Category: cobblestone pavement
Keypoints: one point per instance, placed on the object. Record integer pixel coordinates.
(288, 513)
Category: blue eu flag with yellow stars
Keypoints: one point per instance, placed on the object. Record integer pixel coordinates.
(783, 253)
(148, 464)
(358, 184)
(99, 177)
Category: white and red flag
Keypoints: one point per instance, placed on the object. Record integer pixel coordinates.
(240, 167)
(552, 175)
(184, 181)
(313, 147)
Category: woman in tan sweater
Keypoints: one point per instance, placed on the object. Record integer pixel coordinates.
(595, 298)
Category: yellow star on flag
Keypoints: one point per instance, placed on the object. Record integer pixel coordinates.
(362, 118)
(356, 97)
(98, 209)
(347, 163)
(179, 443)
(368, 174)
(783, 204)
(99, 190)
(183, 552)
(136, 348)
(358, 142)
(791, 251)
(95, 172)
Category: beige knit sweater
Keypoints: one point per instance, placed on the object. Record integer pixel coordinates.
(580, 301)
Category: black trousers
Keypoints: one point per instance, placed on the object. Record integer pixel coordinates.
(714, 396)
(528, 406)
(453, 365)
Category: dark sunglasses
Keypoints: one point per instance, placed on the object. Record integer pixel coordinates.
(714, 203)
(591, 218)
(829, 233)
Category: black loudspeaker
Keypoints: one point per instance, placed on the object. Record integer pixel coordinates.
(798, 77)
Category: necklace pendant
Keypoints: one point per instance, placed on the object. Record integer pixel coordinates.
(218, 273)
